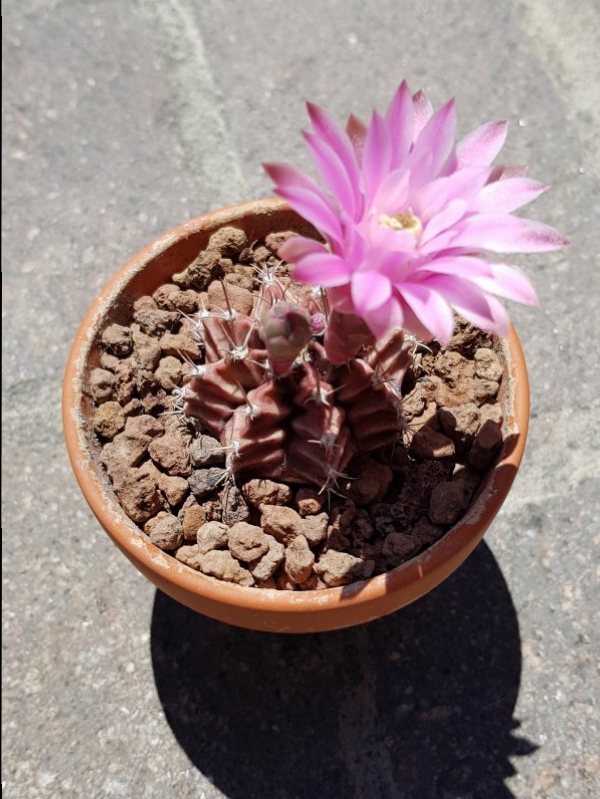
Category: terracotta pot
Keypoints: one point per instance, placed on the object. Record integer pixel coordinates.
(265, 609)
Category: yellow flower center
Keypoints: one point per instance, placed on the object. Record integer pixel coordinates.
(405, 220)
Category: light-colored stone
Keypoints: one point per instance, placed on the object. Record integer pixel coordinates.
(212, 535)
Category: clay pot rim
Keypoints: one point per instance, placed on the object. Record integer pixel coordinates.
(422, 572)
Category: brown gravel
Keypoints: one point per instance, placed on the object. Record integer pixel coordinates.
(266, 492)
(108, 419)
(299, 560)
(193, 518)
(212, 535)
(247, 542)
(164, 531)
(170, 475)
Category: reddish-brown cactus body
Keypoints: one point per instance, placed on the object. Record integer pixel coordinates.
(295, 409)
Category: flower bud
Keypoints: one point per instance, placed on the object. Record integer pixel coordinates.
(285, 330)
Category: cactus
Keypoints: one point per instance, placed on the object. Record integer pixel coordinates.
(295, 391)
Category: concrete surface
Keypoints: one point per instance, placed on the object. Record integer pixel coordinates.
(123, 119)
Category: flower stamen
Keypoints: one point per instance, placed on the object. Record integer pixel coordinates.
(404, 220)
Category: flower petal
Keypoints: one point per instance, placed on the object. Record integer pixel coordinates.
(299, 247)
(470, 301)
(285, 176)
(340, 298)
(504, 280)
(314, 210)
(458, 266)
(504, 172)
(400, 119)
(508, 282)
(506, 195)
(370, 290)
(423, 112)
(461, 185)
(437, 137)
(386, 318)
(381, 236)
(503, 233)
(322, 270)
(393, 192)
(327, 129)
(412, 324)
(376, 155)
(334, 175)
(357, 132)
(451, 214)
(482, 145)
(306, 197)
(430, 308)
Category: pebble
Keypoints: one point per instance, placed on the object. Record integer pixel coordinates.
(340, 568)
(221, 564)
(138, 495)
(171, 298)
(102, 383)
(108, 419)
(314, 528)
(123, 452)
(206, 451)
(152, 320)
(234, 508)
(447, 503)
(247, 542)
(124, 388)
(144, 426)
(309, 501)
(429, 444)
(425, 533)
(398, 547)
(185, 343)
(117, 340)
(108, 361)
(492, 413)
(174, 488)
(487, 364)
(240, 299)
(484, 391)
(264, 568)
(146, 350)
(204, 482)
(189, 554)
(453, 368)
(164, 531)
(460, 423)
(201, 271)
(374, 480)
(274, 240)
(211, 535)
(486, 445)
(171, 452)
(229, 241)
(192, 519)
(299, 560)
(169, 372)
(282, 523)
(266, 492)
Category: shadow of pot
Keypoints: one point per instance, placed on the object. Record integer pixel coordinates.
(266, 609)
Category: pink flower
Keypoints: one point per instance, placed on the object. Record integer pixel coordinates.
(407, 217)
